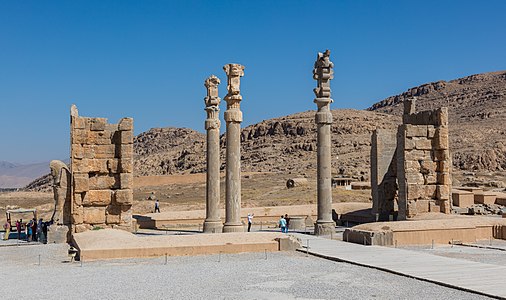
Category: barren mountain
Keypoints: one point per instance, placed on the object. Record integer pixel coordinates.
(477, 116)
(286, 144)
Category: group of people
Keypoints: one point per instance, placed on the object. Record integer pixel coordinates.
(35, 231)
(283, 223)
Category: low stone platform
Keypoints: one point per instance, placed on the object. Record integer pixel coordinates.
(112, 243)
(468, 229)
(262, 214)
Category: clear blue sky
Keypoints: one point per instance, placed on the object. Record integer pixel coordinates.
(148, 59)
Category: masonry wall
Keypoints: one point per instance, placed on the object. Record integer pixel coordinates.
(384, 173)
(102, 173)
(424, 163)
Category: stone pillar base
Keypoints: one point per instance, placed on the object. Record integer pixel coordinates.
(324, 228)
(58, 234)
(233, 227)
(213, 227)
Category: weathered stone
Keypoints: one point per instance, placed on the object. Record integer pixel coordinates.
(443, 192)
(82, 228)
(126, 137)
(113, 165)
(97, 197)
(78, 215)
(444, 179)
(94, 215)
(416, 130)
(124, 197)
(103, 151)
(441, 138)
(104, 182)
(126, 180)
(98, 138)
(98, 124)
(78, 151)
(126, 151)
(126, 124)
(422, 206)
(442, 155)
(113, 214)
(126, 165)
(430, 131)
(417, 155)
(423, 144)
(81, 183)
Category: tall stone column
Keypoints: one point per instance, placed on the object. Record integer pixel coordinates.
(323, 73)
(233, 118)
(213, 223)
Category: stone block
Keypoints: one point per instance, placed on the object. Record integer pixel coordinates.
(126, 165)
(126, 137)
(462, 198)
(411, 208)
(485, 198)
(82, 228)
(443, 192)
(97, 197)
(77, 151)
(444, 206)
(113, 165)
(431, 131)
(441, 138)
(126, 215)
(433, 207)
(79, 136)
(416, 130)
(104, 182)
(409, 144)
(423, 144)
(79, 123)
(78, 215)
(80, 165)
(414, 178)
(98, 166)
(94, 215)
(126, 124)
(113, 214)
(78, 200)
(442, 116)
(444, 178)
(430, 179)
(126, 181)
(111, 127)
(81, 182)
(417, 191)
(126, 151)
(412, 165)
(417, 155)
(422, 206)
(443, 166)
(428, 167)
(124, 197)
(98, 124)
(99, 138)
(441, 155)
(104, 151)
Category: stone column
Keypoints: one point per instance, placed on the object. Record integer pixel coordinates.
(323, 73)
(213, 223)
(233, 118)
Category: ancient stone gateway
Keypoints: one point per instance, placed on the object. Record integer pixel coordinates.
(213, 223)
(101, 164)
(233, 118)
(418, 170)
(323, 73)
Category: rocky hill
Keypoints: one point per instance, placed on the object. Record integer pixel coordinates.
(286, 144)
(477, 116)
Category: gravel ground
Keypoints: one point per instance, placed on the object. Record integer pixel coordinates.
(283, 275)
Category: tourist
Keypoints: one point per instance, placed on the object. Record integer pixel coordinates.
(157, 206)
(45, 226)
(250, 221)
(40, 238)
(7, 227)
(287, 222)
(29, 231)
(34, 229)
(18, 228)
(282, 224)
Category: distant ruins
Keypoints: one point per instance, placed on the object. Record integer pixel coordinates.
(101, 164)
(323, 72)
(411, 170)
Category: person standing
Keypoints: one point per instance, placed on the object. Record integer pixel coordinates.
(282, 224)
(40, 238)
(250, 221)
(157, 206)
(34, 229)
(29, 231)
(7, 227)
(18, 228)
(287, 222)
(45, 226)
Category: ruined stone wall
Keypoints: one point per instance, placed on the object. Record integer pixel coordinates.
(424, 163)
(102, 178)
(384, 173)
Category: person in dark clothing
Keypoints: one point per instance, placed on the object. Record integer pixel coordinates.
(45, 225)
(34, 229)
(18, 228)
(287, 222)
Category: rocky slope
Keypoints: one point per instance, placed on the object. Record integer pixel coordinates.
(477, 117)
